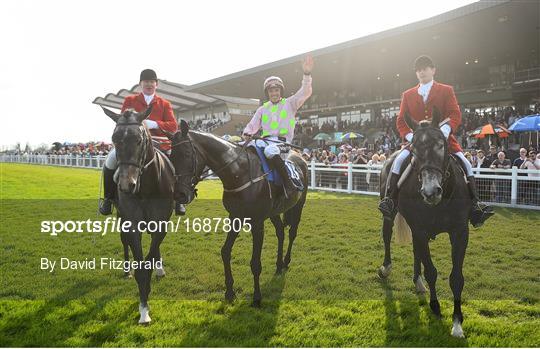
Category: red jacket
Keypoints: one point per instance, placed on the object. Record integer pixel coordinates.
(162, 113)
(443, 97)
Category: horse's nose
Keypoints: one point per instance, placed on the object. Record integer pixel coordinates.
(432, 195)
(127, 185)
(131, 186)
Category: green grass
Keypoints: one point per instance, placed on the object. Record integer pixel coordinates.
(330, 296)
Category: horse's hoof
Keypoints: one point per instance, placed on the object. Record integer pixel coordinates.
(160, 272)
(435, 308)
(457, 330)
(145, 315)
(420, 287)
(256, 303)
(384, 272)
(230, 296)
(128, 275)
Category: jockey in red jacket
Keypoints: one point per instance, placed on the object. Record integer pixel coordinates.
(419, 102)
(161, 119)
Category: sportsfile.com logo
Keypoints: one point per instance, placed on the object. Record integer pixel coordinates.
(116, 225)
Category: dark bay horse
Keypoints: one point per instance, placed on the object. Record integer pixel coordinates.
(434, 198)
(247, 194)
(145, 193)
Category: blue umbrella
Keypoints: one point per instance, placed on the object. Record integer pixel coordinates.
(351, 135)
(529, 123)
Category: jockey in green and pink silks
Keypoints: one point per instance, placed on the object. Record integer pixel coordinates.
(276, 117)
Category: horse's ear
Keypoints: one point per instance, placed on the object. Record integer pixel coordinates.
(410, 122)
(145, 114)
(111, 114)
(435, 117)
(184, 127)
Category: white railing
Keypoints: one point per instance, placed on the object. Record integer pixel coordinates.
(507, 188)
(95, 161)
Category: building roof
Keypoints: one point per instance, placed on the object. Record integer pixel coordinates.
(175, 93)
(484, 29)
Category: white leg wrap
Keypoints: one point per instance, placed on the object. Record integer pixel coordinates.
(145, 317)
(457, 330)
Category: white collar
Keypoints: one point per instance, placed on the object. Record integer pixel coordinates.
(424, 89)
(426, 86)
(148, 99)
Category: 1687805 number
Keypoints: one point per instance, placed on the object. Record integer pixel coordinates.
(209, 225)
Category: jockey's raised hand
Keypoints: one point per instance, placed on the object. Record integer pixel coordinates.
(307, 64)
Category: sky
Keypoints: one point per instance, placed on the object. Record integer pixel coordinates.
(57, 56)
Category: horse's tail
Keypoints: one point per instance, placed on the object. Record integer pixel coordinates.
(403, 231)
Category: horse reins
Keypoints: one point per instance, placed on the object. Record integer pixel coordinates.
(195, 180)
(141, 166)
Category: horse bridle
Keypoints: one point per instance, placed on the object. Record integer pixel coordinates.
(194, 178)
(140, 165)
(446, 165)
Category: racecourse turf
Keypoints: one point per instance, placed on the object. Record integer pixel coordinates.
(330, 295)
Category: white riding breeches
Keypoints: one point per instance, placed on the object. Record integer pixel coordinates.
(110, 162)
(271, 149)
(468, 166)
(396, 166)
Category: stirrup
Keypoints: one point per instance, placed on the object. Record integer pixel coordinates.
(105, 206)
(479, 214)
(387, 207)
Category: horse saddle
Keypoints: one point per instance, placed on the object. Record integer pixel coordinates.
(273, 175)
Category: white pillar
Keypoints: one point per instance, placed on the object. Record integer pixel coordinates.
(513, 194)
(313, 184)
(349, 177)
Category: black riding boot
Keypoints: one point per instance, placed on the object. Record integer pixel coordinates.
(480, 212)
(280, 166)
(387, 206)
(109, 188)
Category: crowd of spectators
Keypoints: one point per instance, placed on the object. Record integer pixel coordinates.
(74, 149)
(205, 125)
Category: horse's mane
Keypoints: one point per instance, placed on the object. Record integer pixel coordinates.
(219, 139)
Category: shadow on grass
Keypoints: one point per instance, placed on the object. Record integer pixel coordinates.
(53, 322)
(405, 325)
(240, 324)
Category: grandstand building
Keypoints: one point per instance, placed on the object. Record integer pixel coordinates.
(489, 51)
